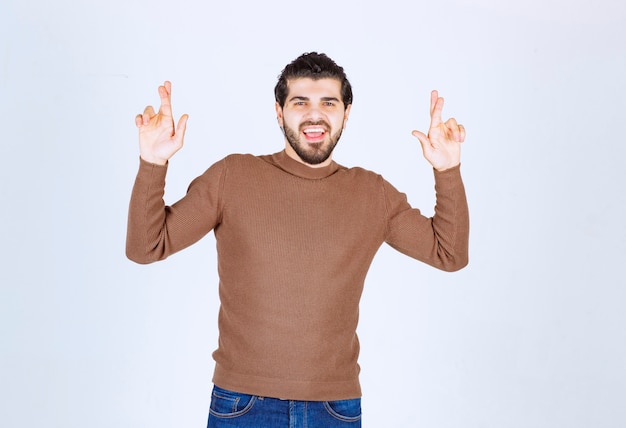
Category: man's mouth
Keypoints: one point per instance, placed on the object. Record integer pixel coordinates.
(314, 134)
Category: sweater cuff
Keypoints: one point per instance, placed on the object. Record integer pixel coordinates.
(151, 172)
(152, 169)
(145, 163)
(449, 176)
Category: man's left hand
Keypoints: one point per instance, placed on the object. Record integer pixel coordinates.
(442, 145)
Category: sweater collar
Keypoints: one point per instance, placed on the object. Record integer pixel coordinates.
(292, 166)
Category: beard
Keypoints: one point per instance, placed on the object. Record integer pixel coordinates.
(313, 154)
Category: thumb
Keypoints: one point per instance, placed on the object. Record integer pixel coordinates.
(182, 127)
(423, 139)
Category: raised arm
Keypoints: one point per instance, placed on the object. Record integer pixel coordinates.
(158, 139)
(154, 230)
(442, 145)
(441, 240)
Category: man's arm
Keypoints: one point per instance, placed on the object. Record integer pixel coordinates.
(442, 240)
(154, 230)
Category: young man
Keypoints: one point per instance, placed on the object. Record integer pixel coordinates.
(296, 233)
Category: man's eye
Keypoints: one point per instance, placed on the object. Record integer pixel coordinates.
(329, 104)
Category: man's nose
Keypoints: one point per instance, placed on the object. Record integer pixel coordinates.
(314, 113)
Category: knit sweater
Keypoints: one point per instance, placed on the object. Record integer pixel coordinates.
(294, 245)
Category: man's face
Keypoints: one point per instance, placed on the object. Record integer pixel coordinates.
(312, 119)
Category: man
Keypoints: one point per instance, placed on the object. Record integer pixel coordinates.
(296, 233)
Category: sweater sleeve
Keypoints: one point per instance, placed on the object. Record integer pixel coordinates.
(155, 230)
(440, 241)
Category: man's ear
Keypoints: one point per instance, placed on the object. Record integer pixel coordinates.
(279, 114)
(345, 115)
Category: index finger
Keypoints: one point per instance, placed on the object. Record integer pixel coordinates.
(436, 107)
(165, 92)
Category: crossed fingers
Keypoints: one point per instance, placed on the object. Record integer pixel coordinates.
(165, 110)
(453, 129)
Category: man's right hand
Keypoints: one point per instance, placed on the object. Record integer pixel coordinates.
(158, 140)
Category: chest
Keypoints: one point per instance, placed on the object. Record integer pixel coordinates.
(297, 213)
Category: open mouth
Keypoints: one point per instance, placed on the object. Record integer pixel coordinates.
(314, 134)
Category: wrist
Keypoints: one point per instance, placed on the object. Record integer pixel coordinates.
(153, 160)
(447, 167)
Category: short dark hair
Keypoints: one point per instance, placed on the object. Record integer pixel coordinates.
(314, 66)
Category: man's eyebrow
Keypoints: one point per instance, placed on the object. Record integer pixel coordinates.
(302, 98)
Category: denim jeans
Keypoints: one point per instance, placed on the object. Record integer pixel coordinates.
(235, 410)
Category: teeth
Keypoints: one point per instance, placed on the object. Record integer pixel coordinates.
(318, 130)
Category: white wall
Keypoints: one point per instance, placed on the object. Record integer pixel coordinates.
(531, 334)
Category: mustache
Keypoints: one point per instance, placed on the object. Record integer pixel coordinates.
(321, 123)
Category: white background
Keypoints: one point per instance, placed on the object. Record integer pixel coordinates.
(531, 334)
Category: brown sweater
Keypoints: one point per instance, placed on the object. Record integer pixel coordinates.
(294, 245)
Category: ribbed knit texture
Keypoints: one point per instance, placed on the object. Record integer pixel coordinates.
(294, 245)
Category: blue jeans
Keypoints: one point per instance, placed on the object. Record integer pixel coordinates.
(232, 409)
